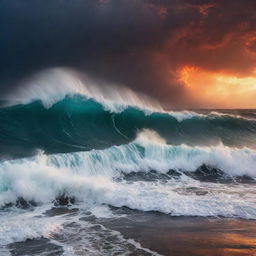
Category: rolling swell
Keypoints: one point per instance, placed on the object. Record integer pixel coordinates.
(79, 124)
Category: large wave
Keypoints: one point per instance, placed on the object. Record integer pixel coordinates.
(60, 110)
(76, 123)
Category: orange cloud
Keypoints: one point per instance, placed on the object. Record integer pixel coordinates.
(218, 90)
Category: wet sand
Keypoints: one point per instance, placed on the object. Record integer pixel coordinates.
(189, 236)
(164, 234)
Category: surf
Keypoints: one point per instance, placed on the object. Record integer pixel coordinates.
(73, 141)
(100, 177)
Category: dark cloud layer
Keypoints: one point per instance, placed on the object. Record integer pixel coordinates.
(139, 43)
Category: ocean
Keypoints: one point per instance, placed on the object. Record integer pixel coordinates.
(80, 175)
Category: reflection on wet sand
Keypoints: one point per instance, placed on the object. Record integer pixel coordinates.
(166, 235)
(189, 236)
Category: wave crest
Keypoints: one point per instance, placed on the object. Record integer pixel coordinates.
(96, 177)
(53, 85)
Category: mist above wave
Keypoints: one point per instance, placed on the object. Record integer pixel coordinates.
(52, 85)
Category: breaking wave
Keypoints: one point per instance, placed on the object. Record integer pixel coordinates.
(76, 123)
(99, 177)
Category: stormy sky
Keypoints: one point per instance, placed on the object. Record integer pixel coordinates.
(173, 50)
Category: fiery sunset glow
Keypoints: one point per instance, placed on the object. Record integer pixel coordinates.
(219, 90)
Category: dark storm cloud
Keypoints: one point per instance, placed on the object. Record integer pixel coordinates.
(139, 43)
(99, 37)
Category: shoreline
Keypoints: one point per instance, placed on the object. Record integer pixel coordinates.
(188, 236)
(149, 232)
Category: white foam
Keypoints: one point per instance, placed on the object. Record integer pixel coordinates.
(157, 155)
(22, 225)
(88, 176)
(179, 200)
(139, 246)
(94, 239)
(215, 114)
(149, 137)
(185, 115)
(101, 211)
(36, 179)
